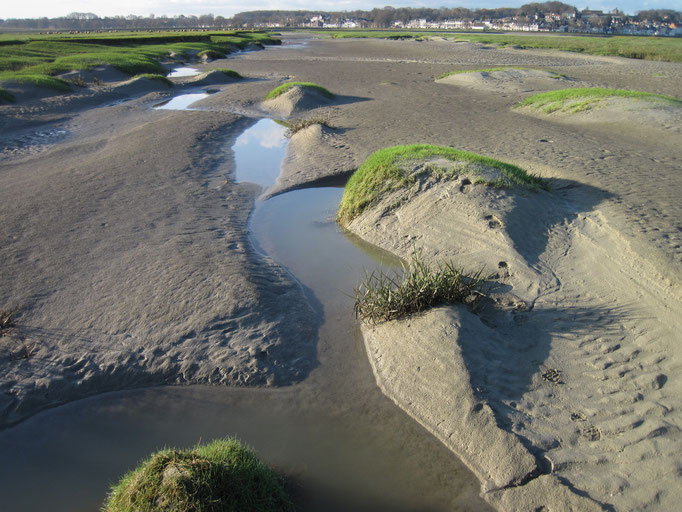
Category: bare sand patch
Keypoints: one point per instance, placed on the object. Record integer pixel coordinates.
(102, 308)
(507, 80)
(316, 155)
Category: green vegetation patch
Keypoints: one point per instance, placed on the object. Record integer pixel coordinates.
(222, 476)
(492, 70)
(25, 59)
(634, 47)
(44, 81)
(211, 54)
(159, 78)
(6, 96)
(381, 297)
(580, 99)
(393, 168)
(278, 91)
(231, 73)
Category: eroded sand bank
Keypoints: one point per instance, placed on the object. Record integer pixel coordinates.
(573, 374)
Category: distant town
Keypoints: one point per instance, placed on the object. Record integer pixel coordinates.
(534, 17)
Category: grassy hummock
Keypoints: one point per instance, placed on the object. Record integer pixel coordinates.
(222, 476)
(492, 70)
(6, 96)
(388, 169)
(278, 91)
(44, 81)
(231, 73)
(580, 99)
(381, 297)
(211, 54)
(154, 76)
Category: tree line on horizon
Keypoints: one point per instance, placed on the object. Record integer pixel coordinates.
(384, 17)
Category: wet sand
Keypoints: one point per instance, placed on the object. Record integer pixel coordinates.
(602, 269)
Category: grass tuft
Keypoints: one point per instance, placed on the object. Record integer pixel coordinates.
(381, 297)
(7, 322)
(231, 73)
(277, 91)
(6, 96)
(222, 476)
(390, 169)
(154, 76)
(580, 99)
(211, 54)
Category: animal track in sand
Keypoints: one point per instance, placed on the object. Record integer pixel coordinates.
(493, 222)
(552, 375)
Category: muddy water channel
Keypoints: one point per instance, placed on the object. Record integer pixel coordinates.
(335, 434)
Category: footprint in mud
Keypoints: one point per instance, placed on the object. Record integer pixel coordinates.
(493, 222)
(503, 270)
(465, 185)
(591, 433)
(578, 416)
(552, 375)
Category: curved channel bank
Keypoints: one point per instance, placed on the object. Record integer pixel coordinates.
(350, 446)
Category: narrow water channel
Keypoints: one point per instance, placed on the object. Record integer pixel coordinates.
(335, 433)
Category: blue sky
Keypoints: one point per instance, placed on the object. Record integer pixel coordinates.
(51, 8)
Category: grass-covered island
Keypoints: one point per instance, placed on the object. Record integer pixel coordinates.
(581, 99)
(222, 476)
(400, 166)
(278, 91)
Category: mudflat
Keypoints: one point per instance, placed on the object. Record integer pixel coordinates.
(129, 271)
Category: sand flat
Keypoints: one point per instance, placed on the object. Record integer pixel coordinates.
(580, 365)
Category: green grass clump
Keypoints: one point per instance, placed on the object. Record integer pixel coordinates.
(153, 76)
(44, 81)
(381, 297)
(389, 169)
(6, 96)
(222, 476)
(580, 99)
(231, 73)
(211, 54)
(277, 91)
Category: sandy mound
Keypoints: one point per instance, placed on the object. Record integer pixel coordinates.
(508, 80)
(573, 357)
(212, 77)
(296, 100)
(99, 74)
(315, 156)
(139, 85)
(630, 112)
